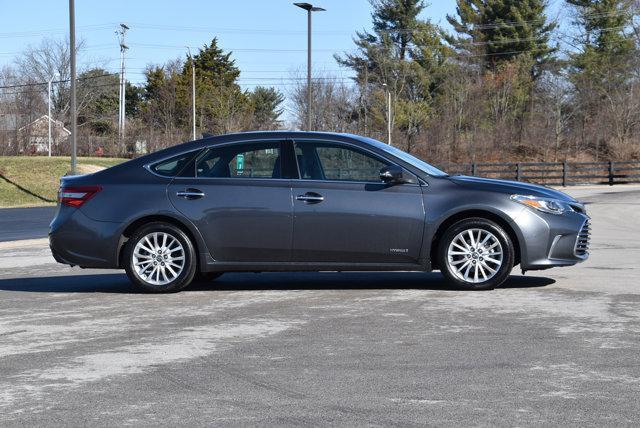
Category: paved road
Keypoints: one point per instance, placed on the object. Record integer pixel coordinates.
(557, 347)
(25, 223)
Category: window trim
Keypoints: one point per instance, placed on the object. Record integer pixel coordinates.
(286, 143)
(200, 150)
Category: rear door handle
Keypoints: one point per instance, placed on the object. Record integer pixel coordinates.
(310, 198)
(190, 194)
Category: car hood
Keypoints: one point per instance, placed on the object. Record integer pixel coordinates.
(510, 187)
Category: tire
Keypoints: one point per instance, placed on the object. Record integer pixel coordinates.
(170, 267)
(469, 252)
(207, 276)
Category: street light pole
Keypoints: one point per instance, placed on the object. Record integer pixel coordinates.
(388, 113)
(49, 107)
(193, 92)
(389, 116)
(72, 51)
(309, 8)
(49, 115)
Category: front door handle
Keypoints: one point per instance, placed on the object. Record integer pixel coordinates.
(310, 198)
(190, 194)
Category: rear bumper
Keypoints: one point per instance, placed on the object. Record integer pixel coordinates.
(550, 240)
(77, 240)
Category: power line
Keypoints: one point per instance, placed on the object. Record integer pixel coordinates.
(4, 93)
(56, 81)
(160, 27)
(32, 33)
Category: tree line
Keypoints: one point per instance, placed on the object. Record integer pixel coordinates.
(504, 82)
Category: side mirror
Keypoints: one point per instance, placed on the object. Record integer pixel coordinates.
(393, 174)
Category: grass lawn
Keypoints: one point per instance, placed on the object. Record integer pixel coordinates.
(34, 180)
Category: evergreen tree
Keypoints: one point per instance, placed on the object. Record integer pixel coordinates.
(98, 100)
(213, 66)
(404, 53)
(133, 100)
(160, 106)
(606, 37)
(396, 29)
(398, 19)
(221, 103)
(266, 107)
(502, 30)
(603, 72)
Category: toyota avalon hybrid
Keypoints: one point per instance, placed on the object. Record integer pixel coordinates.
(307, 201)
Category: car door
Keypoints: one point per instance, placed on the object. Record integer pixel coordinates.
(344, 213)
(237, 198)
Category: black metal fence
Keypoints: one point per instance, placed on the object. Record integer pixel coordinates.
(554, 173)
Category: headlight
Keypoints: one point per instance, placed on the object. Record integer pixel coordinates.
(547, 205)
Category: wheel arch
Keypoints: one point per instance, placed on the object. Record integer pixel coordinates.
(181, 224)
(475, 213)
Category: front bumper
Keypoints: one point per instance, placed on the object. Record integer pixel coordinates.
(77, 240)
(549, 240)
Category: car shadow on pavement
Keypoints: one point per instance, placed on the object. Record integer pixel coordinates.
(119, 283)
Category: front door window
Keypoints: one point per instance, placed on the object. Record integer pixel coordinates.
(334, 162)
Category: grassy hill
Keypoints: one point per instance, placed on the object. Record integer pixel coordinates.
(34, 180)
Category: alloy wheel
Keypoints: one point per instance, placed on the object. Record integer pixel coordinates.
(158, 258)
(475, 255)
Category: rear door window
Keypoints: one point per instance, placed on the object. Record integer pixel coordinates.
(252, 160)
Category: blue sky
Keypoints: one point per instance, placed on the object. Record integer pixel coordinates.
(268, 38)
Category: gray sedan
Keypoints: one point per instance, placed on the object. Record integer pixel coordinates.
(308, 201)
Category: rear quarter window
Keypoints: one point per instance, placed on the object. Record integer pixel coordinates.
(181, 164)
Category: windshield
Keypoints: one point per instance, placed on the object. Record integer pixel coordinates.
(420, 164)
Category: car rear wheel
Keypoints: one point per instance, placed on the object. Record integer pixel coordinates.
(476, 254)
(160, 258)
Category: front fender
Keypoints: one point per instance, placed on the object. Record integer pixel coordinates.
(446, 203)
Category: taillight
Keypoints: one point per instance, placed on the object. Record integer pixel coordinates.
(75, 196)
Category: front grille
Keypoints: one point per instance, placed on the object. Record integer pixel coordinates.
(582, 242)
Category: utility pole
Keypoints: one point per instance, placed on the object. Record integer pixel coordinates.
(72, 51)
(122, 101)
(388, 113)
(193, 92)
(309, 8)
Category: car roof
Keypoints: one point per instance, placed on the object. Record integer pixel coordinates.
(274, 134)
(253, 136)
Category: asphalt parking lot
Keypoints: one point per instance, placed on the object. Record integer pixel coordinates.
(81, 347)
(25, 223)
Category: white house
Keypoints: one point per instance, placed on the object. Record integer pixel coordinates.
(35, 135)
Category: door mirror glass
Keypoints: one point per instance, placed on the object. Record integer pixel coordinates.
(393, 174)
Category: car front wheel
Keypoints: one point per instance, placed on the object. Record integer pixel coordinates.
(476, 254)
(160, 258)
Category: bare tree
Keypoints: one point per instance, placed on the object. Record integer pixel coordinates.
(49, 60)
(334, 103)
